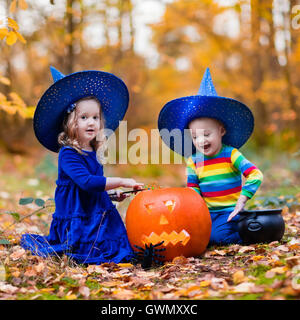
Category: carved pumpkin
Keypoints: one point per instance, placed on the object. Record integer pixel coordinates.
(179, 216)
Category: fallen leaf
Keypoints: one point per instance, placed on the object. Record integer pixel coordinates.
(239, 277)
(47, 290)
(180, 260)
(293, 261)
(220, 252)
(84, 291)
(8, 288)
(30, 272)
(270, 274)
(283, 248)
(40, 267)
(257, 258)
(123, 294)
(244, 287)
(205, 283)
(17, 254)
(246, 249)
(125, 265)
(71, 296)
(279, 270)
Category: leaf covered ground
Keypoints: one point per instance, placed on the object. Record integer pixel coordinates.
(258, 271)
(261, 271)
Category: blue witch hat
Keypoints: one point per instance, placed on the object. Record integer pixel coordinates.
(60, 97)
(236, 117)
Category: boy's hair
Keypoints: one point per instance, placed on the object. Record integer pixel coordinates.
(216, 120)
(68, 137)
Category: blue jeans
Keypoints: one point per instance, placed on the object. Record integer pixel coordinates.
(224, 232)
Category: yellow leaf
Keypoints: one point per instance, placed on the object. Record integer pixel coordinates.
(125, 265)
(47, 289)
(23, 5)
(2, 97)
(4, 80)
(12, 24)
(239, 277)
(71, 297)
(279, 270)
(17, 99)
(13, 6)
(20, 37)
(27, 113)
(3, 33)
(11, 38)
(2, 272)
(205, 283)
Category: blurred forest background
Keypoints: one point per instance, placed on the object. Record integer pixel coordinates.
(161, 50)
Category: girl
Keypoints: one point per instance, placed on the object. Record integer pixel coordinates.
(86, 225)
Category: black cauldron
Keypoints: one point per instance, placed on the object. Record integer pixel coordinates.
(256, 226)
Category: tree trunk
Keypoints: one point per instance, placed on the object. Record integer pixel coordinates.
(70, 30)
(257, 73)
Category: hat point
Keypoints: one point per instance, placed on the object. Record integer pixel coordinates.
(56, 75)
(207, 87)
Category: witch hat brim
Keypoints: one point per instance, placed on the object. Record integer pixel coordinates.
(52, 108)
(236, 117)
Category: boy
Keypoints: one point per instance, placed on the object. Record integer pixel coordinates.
(218, 126)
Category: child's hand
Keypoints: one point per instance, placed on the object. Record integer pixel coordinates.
(117, 195)
(131, 183)
(238, 207)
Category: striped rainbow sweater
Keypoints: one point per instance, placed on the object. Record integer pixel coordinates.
(218, 179)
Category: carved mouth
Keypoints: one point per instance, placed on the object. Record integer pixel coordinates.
(182, 237)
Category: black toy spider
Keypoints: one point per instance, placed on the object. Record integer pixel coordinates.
(148, 254)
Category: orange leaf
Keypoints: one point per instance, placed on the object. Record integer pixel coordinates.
(23, 5)
(123, 294)
(30, 272)
(125, 265)
(180, 260)
(257, 258)
(13, 6)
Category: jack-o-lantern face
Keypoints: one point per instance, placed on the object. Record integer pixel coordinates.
(177, 216)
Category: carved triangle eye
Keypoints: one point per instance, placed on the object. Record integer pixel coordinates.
(170, 204)
(149, 207)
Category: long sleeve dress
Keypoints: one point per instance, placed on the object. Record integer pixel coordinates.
(86, 225)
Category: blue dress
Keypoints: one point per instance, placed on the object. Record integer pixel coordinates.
(86, 225)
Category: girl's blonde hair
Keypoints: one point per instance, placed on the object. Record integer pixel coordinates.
(68, 137)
